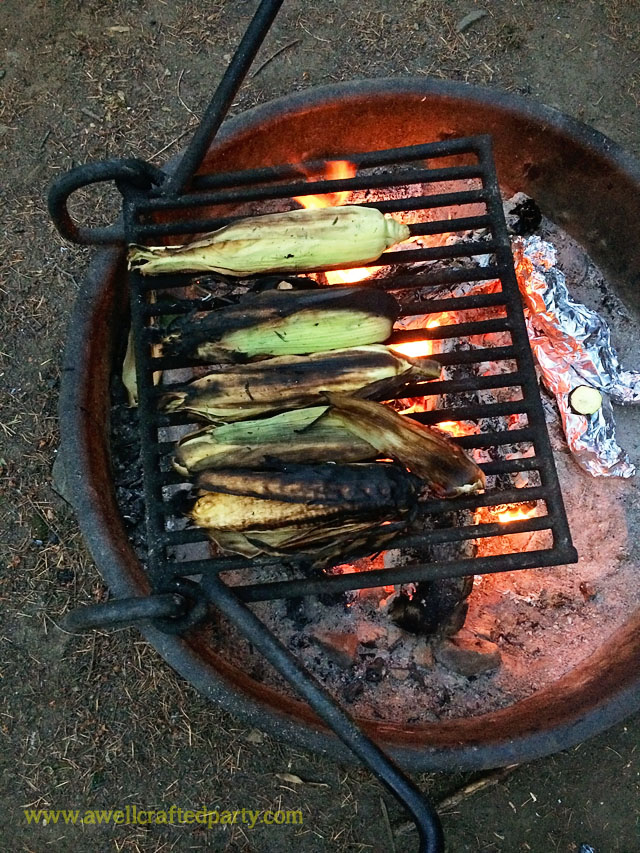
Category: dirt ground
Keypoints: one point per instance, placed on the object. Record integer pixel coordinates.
(100, 720)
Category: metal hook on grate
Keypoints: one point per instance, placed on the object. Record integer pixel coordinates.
(175, 609)
(130, 175)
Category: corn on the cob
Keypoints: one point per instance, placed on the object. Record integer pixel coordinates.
(286, 322)
(293, 381)
(323, 510)
(355, 490)
(299, 240)
(301, 435)
(428, 454)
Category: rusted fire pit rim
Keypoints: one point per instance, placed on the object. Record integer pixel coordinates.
(592, 697)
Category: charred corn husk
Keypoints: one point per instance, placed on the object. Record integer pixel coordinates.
(301, 435)
(319, 510)
(428, 454)
(292, 380)
(286, 322)
(356, 490)
(129, 373)
(299, 240)
(324, 544)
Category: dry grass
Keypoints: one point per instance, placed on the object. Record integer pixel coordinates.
(100, 719)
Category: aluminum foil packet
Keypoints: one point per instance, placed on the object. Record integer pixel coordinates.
(572, 346)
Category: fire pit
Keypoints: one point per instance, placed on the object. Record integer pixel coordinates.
(564, 166)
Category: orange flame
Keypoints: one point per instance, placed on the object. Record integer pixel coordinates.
(336, 170)
(417, 349)
(456, 428)
(506, 513)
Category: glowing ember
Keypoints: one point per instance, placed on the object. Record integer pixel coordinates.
(347, 276)
(457, 428)
(413, 349)
(417, 349)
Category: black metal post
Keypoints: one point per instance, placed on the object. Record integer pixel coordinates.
(223, 97)
(421, 810)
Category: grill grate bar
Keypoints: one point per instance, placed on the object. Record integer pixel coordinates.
(506, 466)
(146, 231)
(363, 160)
(454, 330)
(463, 357)
(484, 439)
(334, 584)
(193, 201)
(418, 306)
(420, 278)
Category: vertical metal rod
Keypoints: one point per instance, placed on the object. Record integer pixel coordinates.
(425, 816)
(223, 97)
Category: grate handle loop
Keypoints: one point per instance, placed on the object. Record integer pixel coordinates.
(131, 175)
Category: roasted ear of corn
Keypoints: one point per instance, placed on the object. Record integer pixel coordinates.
(428, 454)
(324, 511)
(292, 381)
(286, 322)
(301, 435)
(356, 489)
(299, 240)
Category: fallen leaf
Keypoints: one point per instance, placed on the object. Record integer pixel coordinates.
(255, 736)
(469, 19)
(296, 780)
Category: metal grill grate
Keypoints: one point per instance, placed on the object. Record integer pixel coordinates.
(150, 220)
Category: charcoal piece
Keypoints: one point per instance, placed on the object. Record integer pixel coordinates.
(435, 607)
(296, 609)
(529, 217)
(375, 671)
(353, 690)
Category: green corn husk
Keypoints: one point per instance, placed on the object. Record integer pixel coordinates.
(129, 373)
(296, 241)
(286, 322)
(301, 435)
(294, 381)
(426, 453)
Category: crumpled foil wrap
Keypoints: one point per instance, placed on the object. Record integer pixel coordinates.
(572, 346)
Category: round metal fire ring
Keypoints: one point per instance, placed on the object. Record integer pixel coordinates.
(582, 181)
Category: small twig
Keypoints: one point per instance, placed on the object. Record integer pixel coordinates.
(387, 823)
(88, 112)
(464, 793)
(273, 56)
(169, 144)
(317, 38)
(187, 108)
